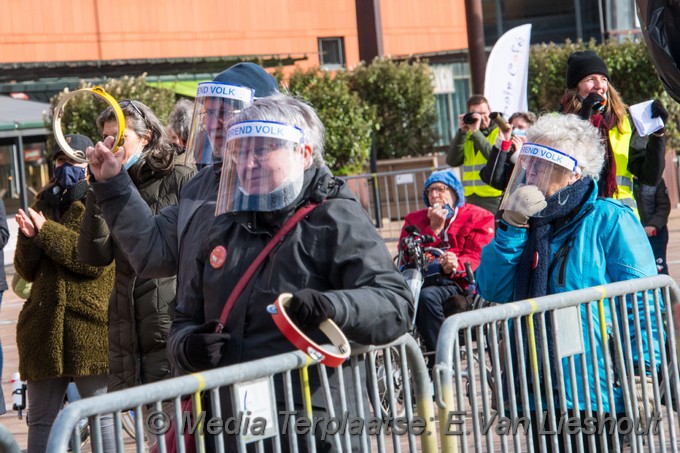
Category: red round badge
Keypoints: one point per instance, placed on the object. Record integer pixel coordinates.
(218, 256)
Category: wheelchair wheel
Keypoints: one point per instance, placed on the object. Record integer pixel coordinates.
(389, 377)
(128, 421)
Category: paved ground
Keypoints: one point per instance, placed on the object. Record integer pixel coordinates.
(11, 305)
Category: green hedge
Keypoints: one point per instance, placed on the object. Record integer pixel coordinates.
(404, 98)
(348, 120)
(631, 71)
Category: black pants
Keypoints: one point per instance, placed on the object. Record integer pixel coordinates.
(430, 316)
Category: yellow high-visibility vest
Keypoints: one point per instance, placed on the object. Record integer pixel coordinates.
(620, 142)
(473, 162)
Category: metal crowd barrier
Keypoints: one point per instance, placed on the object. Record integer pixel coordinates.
(395, 379)
(500, 387)
(7, 442)
(389, 196)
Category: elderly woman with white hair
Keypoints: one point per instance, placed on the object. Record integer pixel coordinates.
(556, 235)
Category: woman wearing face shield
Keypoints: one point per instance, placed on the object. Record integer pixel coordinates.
(333, 261)
(557, 235)
(140, 309)
(215, 104)
(591, 95)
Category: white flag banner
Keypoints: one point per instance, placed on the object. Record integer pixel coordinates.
(507, 72)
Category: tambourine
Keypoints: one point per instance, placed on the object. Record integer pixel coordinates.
(303, 342)
(78, 155)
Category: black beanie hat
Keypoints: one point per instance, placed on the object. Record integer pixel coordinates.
(249, 75)
(582, 64)
(77, 142)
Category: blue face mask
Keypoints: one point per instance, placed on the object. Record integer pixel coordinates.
(519, 133)
(131, 161)
(69, 175)
(134, 158)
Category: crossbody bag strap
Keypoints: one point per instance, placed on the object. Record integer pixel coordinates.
(245, 278)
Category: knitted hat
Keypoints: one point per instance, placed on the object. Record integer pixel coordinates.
(77, 142)
(249, 75)
(582, 64)
(448, 178)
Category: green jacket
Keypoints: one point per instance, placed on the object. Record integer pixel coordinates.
(62, 327)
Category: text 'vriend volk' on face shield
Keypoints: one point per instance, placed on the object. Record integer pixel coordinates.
(215, 104)
(546, 168)
(263, 168)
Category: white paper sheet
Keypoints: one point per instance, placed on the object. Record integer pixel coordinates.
(642, 117)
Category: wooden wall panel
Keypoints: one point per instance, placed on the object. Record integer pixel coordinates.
(64, 30)
(420, 27)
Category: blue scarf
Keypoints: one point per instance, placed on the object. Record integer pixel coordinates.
(534, 264)
(532, 269)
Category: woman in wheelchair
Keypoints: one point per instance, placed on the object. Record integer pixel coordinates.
(459, 231)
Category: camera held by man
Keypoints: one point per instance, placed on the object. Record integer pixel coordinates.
(469, 118)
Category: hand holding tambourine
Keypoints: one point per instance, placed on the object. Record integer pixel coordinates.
(104, 163)
(330, 358)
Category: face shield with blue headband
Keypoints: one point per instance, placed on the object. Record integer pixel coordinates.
(549, 169)
(215, 104)
(263, 167)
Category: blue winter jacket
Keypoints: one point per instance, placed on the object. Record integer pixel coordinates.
(609, 245)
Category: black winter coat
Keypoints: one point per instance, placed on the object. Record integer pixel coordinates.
(334, 249)
(140, 310)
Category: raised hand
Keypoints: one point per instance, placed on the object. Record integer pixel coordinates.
(105, 164)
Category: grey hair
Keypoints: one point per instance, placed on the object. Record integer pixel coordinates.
(289, 110)
(573, 136)
(180, 118)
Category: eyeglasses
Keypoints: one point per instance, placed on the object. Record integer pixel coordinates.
(125, 102)
(439, 189)
(223, 114)
(263, 152)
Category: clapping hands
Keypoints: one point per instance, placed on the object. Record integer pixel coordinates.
(30, 224)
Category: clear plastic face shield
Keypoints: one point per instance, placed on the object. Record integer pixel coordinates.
(546, 168)
(263, 168)
(215, 104)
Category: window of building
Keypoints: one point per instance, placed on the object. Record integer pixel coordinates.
(452, 89)
(331, 53)
(552, 21)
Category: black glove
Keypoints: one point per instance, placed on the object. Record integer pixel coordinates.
(591, 104)
(203, 348)
(658, 110)
(309, 307)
